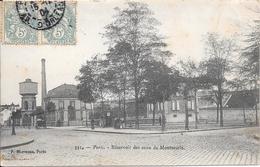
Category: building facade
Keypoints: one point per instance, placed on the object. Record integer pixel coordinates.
(174, 109)
(63, 108)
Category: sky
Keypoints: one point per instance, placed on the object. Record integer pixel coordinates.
(184, 23)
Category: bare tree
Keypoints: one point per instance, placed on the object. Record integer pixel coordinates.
(219, 52)
(194, 79)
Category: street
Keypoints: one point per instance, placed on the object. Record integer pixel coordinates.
(63, 146)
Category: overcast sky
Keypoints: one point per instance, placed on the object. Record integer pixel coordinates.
(184, 22)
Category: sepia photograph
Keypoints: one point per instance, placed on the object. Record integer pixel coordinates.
(129, 83)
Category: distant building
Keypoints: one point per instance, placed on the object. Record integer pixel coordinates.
(243, 99)
(6, 113)
(68, 109)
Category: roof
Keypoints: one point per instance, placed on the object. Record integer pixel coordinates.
(64, 91)
(245, 98)
(28, 80)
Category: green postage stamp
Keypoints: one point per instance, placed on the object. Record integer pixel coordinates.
(39, 22)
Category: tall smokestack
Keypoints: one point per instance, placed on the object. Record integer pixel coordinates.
(44, 91)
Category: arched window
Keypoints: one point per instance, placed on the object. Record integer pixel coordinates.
(26, 105)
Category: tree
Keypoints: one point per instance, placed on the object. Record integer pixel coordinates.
(136, 27)
(51, 107)
(160, 83)
(117, 73)
(92, 81)
(249, 69)
(219, 51)
(194, 80)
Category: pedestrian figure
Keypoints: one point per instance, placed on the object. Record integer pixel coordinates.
(160, 120)
(92, 124)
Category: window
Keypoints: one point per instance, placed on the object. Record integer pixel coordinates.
(33, 105)
(72, 104)
(151, 107)
(72, 113)
(192, 104)
(158, 104)
(148, 107)
(61, 105)
(177, 105)
(189, 104)
(173, 105)
(161, 106)
(26, 105)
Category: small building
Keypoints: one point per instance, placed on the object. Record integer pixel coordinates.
(174, 109)
(63, 108)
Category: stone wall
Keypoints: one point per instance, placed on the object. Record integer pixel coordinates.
(228, 114)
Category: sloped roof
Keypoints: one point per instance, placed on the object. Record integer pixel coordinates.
(64, 91)
(245, 98)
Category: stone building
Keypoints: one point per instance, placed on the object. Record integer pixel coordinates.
(174, 109)
(63, 108)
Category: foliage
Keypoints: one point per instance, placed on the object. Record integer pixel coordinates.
(160, 82)
(92, 80)
(51, 107)
(219, 51)
(249, 68)
(133, 35)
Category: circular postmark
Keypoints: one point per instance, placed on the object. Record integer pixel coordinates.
(40, 15)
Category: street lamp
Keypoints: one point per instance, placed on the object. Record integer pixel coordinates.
(13, 115)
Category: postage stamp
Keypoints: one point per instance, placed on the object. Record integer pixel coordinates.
(39, 22)
(130, 83)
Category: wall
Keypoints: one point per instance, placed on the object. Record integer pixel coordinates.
(228, 114)
(79, 112)
(173, 114)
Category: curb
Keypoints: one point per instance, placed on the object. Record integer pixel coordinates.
(16, 145)
(183, 131)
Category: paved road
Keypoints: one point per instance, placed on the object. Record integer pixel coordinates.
(58, 147)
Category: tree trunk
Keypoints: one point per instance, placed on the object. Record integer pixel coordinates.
(163, 116)
(256, 102)
(186, 113)
(119, 105)
(256, 115)
(217, 112)
(136, 109)
(124, 108)
(154, 104)
(102, 103)
(220, 104)
(196, 109)
(244, 113)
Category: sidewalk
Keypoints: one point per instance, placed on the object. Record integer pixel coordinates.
(139, 131)
(10, 141)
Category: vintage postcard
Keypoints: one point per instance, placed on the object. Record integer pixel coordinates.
(129, 83)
